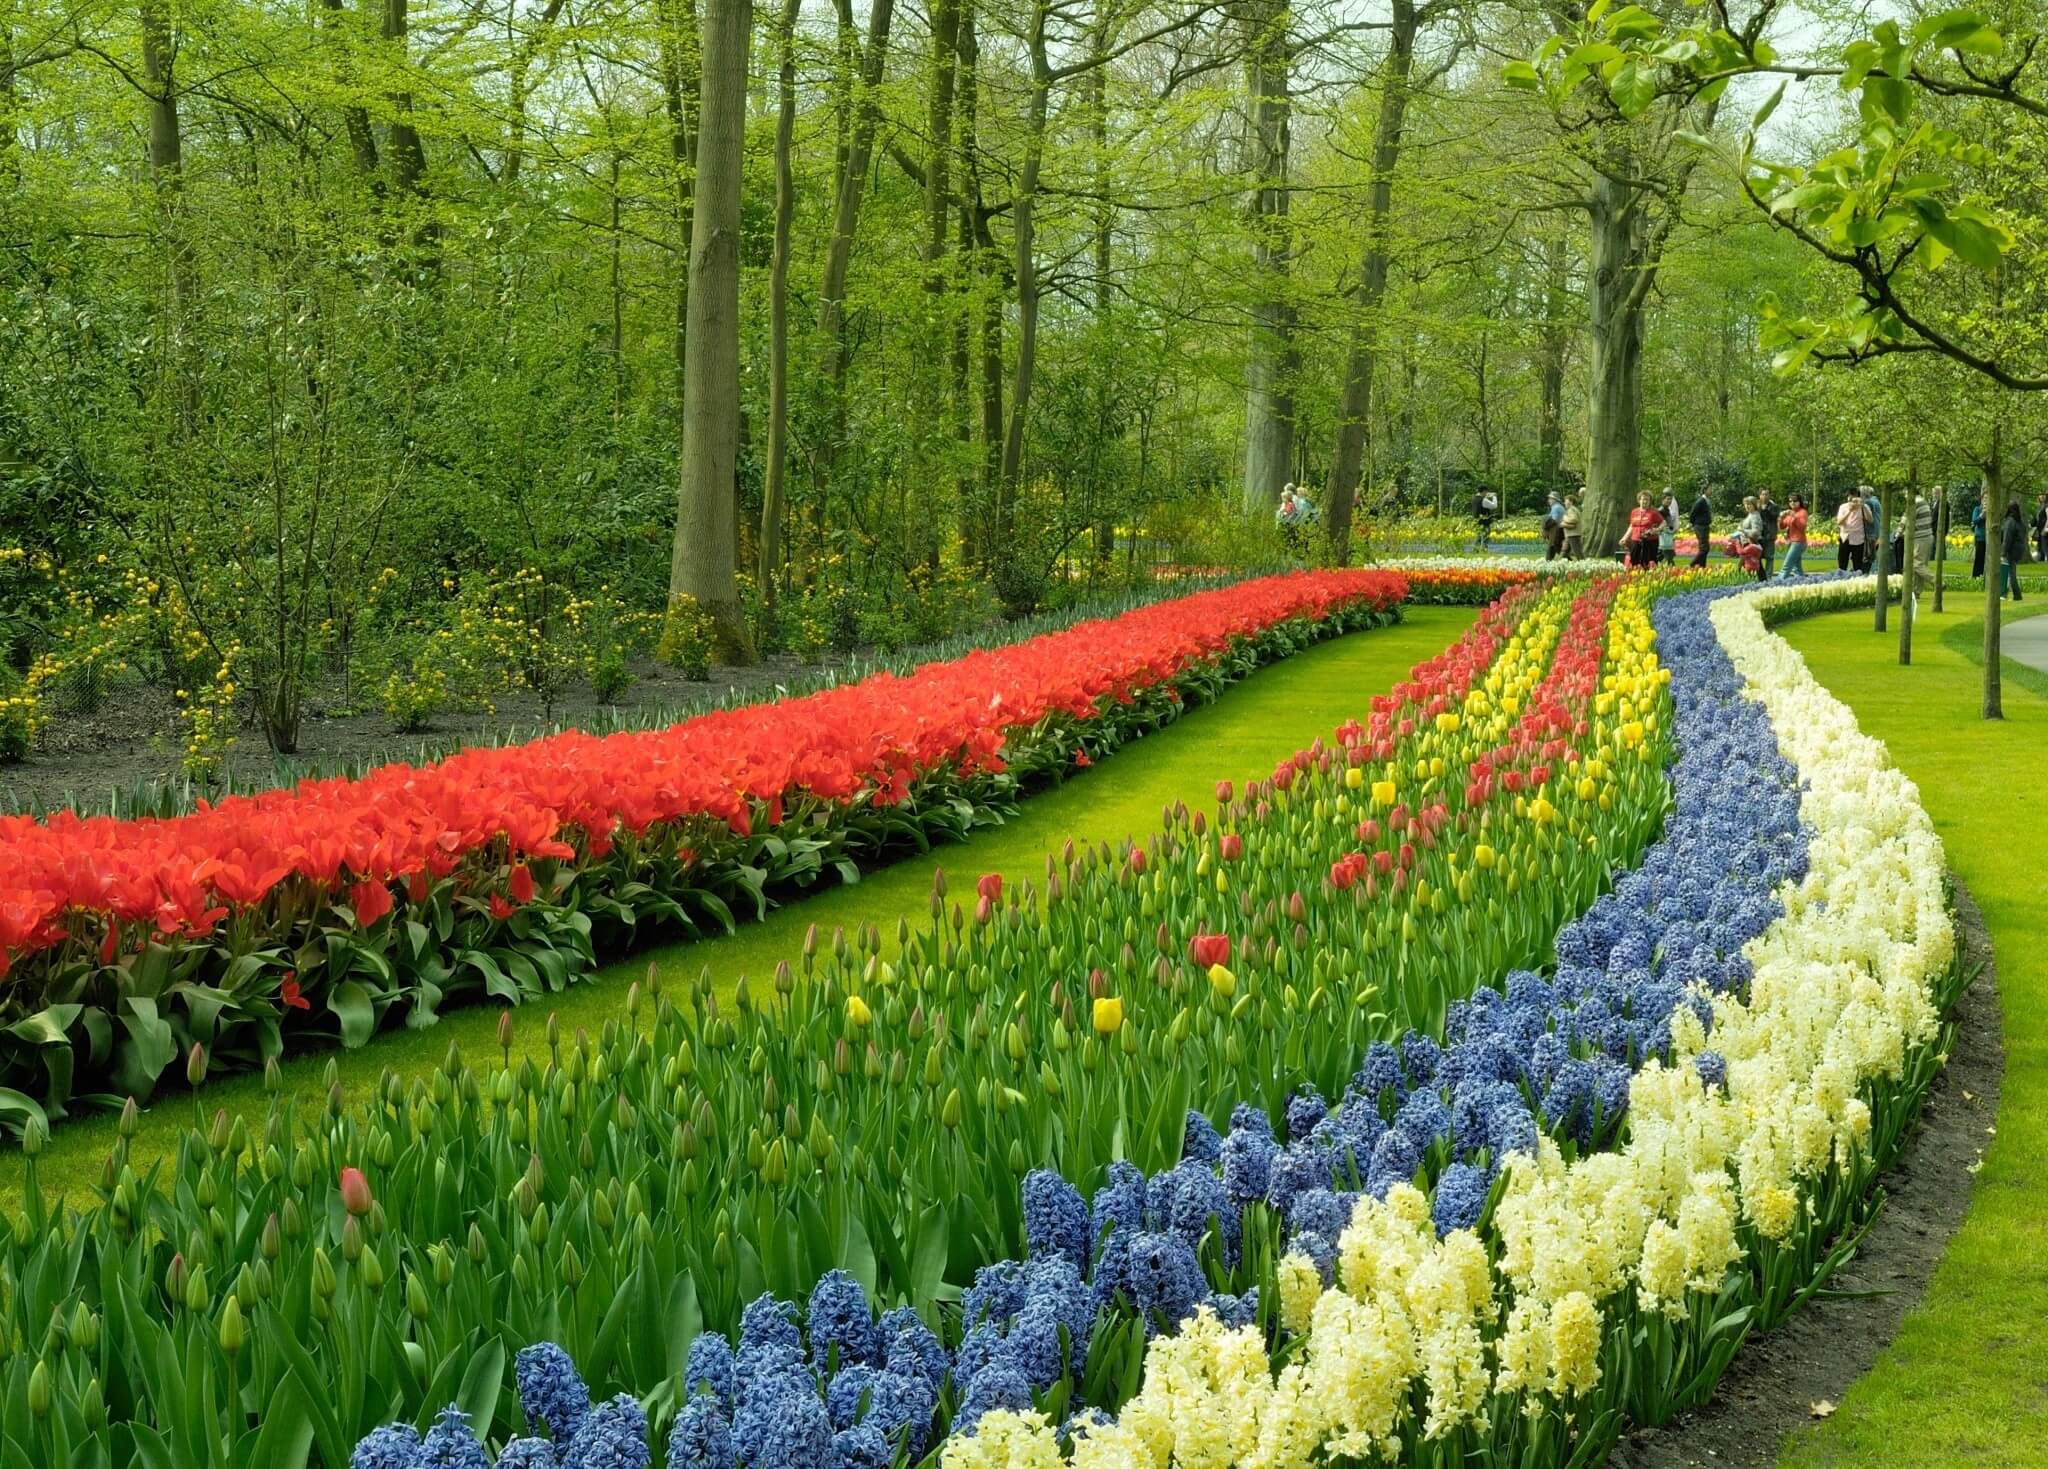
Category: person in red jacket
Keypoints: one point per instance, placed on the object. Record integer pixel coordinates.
(1643, 525)
(1793, 525)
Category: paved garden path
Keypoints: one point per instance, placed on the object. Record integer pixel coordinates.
(2026, 642)
(1257, 722)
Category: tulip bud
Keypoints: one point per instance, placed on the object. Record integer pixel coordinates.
(232, 1335)
(351, 1239)
(355, 1191)
(373, 1270)
(197, 1296)
(195, 1064)
(39, 1390)
(131, 1120)
(949, 1114)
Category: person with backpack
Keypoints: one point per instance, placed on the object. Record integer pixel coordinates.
(1570, 523)
(1553, 527)
(1485, 510)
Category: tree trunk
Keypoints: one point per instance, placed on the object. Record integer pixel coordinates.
(1354, 406)
(681, 74)
(407, 154)
(853, 176)
(1270, 363)
(1552, 343)
(362, 143)
(1906, 559)
(769, 569)
(1023, 210)
(1994, 551)
(1883, 559)
(1620, 284)
(706, 529)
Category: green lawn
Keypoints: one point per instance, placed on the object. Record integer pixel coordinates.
(1258, 722)
(1966, 1383)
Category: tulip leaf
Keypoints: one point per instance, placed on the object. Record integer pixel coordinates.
(481, 1384)
(285, 1440)
(350, 1004)
(928, 1266)
(683, 1320)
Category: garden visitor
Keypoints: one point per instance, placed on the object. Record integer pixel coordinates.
(1743, 547)
(1568, 522)
(1553, 528)
(1702, 518)
(2012, 545)
(1977, 536)
(2041, 531)
(1289, 519)
(1667, 533)
(1852, 540)
(1485, 510)
(1793, 524)
(1767, 519)
(1643, 525)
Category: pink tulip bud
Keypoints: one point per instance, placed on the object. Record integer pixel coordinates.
(355, 1191)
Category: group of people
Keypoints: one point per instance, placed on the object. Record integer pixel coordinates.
(1294, 515)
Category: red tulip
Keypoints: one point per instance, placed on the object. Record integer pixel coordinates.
(520, 883)
(1224, 791)
(990, 886)
(1231, 847)
(1210, 949)
(355, 1191)
(288, 992)
(371, 901)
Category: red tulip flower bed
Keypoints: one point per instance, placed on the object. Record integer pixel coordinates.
(342, 904)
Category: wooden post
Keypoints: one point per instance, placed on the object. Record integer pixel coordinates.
(1940, 548)
(1884, 557)
(1906, 528)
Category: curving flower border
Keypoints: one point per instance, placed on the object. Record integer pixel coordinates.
(1721, 1203)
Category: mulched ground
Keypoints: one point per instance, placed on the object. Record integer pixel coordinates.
(133, 736)
(1800, 1371)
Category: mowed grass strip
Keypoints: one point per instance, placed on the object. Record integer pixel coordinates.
(1966, 1381)
(1254, 724)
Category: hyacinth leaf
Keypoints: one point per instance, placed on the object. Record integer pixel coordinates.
(681, 1322)
(482, 1383)
(928, 1269)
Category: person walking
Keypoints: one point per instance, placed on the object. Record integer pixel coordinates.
(1569, 522)
(1852, 538)
(1977, 538)
(1793, 524)
(2041, 530)
(1767, 536)
(1553, 527)
(1667, 533)
(2012, 545)
(1643, 525)
(1701, 515)
(1485, 510)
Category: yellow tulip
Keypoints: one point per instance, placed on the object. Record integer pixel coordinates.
(1354, 778)
(1482, 856)
(1383, 793)
(1222, 981)
(1108, 1015)
(857, 1011)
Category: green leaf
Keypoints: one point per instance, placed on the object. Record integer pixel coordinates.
(1518, 74)
(1633, 89)
(481, 1385)
(350, 1004)
(1763, 113)
(928, 1266)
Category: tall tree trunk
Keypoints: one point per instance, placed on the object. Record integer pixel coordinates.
(853, 175)
(706, 529)
(770, 568)
(1354, 406)
(1994, 553)
(1551, 344)
(1906, 558)
(681, 75)
(1620, 284)
(1023, 218)
(167, 175)
(1271, 361)
(362, 143)
(1108, 431)
(522, 63)
(407, 154)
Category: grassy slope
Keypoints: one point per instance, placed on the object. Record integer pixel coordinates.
(1966, 1382)
(1270, 715)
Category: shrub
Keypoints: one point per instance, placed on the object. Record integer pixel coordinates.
(686, 638)
(412, 697)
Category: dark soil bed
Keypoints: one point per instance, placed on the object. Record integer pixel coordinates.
(1800, 1371)
(133, 737)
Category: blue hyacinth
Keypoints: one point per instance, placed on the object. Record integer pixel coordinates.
(914, 1349)
(551, 1391)
(450, 1444)
(396, 1447)
(842, 1324)
(614, 1436)
(1247, 1162)
(1163, 1276)
(528, 1453)
(701, 1438)
(769, 1323)
(1055, 1217)
(1305, 1108)
(861, 1448)
(1712, 1067)
(1460, 1198)
(787, 1429)
(709, 1369)
(1200, 1142)
(998, 1385)
(1120, 1202)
